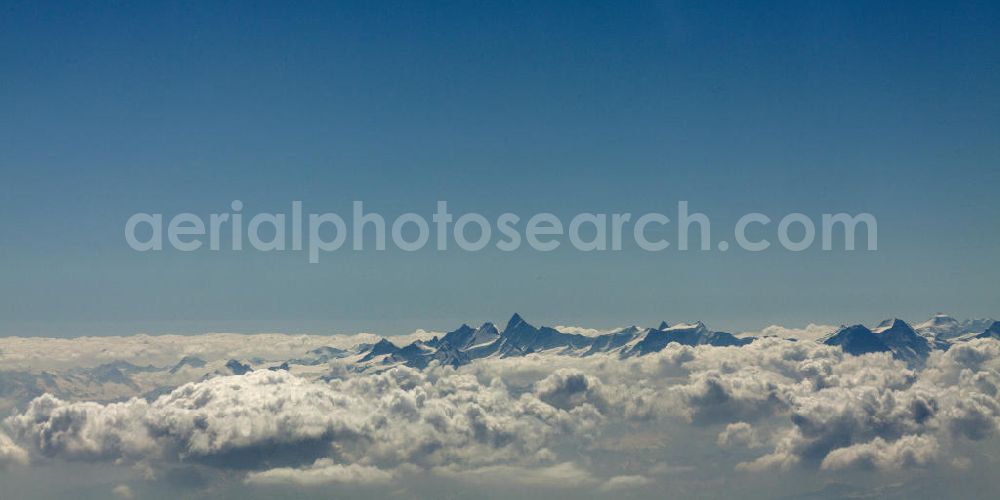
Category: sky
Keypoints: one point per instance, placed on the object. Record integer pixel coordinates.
(110, 109)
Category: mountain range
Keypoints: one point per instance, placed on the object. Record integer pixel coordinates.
(519, 338)
(944, 327)
(120, 379)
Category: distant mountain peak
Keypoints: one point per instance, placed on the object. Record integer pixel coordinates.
(516, 321)
(697, 325)
(192, 361)
(663, 326)
(940, 321)
(383, 345)
(238, 368)
(856, 340)
(892, 324)
(945, 327)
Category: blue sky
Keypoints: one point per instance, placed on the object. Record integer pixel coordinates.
(112, 109)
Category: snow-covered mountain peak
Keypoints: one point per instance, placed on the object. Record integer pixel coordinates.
(892, 324)
(945, 327)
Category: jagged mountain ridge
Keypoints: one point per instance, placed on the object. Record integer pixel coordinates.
(905, 342)
(520, 338)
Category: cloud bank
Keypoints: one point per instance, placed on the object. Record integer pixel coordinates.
(542, 420)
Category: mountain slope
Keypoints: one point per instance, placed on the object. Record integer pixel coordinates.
(856, 340)
(904, 342)
(945, 327)
(993, 332)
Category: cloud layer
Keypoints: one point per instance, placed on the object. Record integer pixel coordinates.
(543, 419)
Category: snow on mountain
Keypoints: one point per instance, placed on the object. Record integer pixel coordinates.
(685, 334)
(467, 337)
(904, 342)
(941, 324)
(486, 334)
(617, 340)
(380, 349)
(946, 327)
(520, 338)
(588, 332)
(147, 366)
(321, 355)
(992, 332)
(812, 332)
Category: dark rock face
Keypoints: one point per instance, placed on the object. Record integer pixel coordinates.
(238, 368)
(993, 332)
(856, 340)
(906, 344)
